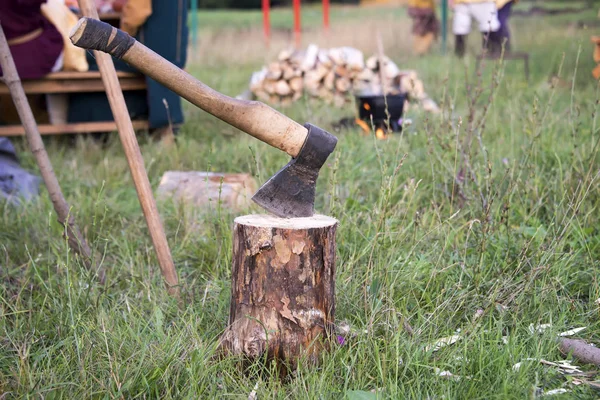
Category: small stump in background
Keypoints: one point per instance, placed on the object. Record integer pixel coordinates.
(282, 289)
(201, 193)
(199, 189)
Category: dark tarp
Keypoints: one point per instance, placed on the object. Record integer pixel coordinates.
(15, 182)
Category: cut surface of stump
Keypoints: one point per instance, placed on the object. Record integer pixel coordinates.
(282, 289)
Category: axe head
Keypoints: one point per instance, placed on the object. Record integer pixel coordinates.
(290, 193)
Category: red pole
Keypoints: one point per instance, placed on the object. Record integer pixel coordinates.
(266, 22)
(297, 22)
(326, 14)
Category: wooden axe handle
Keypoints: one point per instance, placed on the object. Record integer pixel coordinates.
(253, 117)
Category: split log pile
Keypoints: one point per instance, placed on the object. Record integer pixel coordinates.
(334, 75)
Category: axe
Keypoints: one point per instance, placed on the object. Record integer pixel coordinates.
(290, 192)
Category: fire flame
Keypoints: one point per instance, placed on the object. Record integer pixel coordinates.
(380, 134)
(363, 125)
(366, 106)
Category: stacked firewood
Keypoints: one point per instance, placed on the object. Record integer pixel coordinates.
(333, 75)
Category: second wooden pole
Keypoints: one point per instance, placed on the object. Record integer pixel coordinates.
(134, 158)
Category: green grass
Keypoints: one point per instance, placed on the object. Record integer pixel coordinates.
(282, 18)
(518, 239)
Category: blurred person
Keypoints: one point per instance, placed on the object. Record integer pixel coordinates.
(425, 28)
(504, 11)
(37, 49)
(161, 25)
(485, 13)
(35, 43)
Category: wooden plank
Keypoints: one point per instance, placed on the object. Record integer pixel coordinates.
(83, 127)
(75, 86)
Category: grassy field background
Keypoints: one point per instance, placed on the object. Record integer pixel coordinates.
(513, 243)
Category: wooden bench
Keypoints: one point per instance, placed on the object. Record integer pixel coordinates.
(506, 56)
(74, 82)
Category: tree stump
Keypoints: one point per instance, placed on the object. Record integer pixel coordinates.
(282, 289)
(199, 189)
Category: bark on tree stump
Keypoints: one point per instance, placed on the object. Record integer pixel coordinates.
(282, 289)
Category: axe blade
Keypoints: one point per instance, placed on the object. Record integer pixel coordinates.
(290, 193)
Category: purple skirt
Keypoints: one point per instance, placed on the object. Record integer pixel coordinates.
(36, 58)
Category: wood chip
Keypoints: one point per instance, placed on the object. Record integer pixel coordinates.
(443, 342)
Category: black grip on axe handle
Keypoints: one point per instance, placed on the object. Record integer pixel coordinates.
(98, 35)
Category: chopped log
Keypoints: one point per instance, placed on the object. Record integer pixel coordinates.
(257, 78)
(282, 88)
(269, 86)
(311, 80)
(201, 189)
(323, 73)
(297, 58)
(296, 96)
(282, 289)
(324, 59)
(340, 70)
(329, 81)
(354, 59)
(414, 87)
(320, 71)
(391, 69)
(337, 55)
(290, 72)
(275, 71)
(310, 58)
(371, 63)
(261, 95)
(312, 90)
(285, 54)
(349, 56)
(361, 86)
(343, 84)
(296, 84)
(365, 75)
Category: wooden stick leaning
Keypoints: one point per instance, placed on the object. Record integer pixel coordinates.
(382, 74)
(11, 77)
(134, 158)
